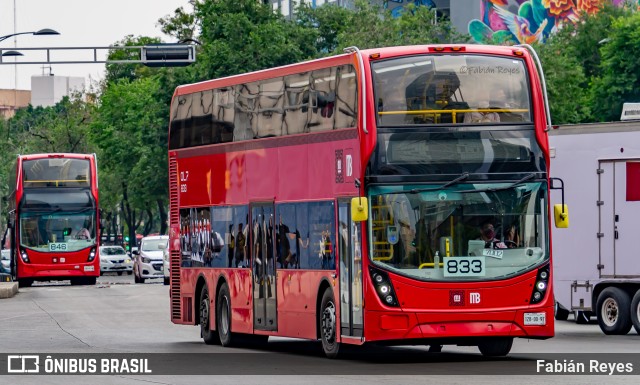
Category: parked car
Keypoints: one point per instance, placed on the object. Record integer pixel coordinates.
(5, 262)
(114, 259)
(148, 259)
(165, 264)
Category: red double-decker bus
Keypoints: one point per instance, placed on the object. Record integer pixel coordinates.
(53, 219)
(394, 195)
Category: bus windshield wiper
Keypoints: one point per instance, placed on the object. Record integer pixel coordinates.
(462, 177)
(512, 185)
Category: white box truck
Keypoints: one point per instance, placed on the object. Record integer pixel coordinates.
(597, 258)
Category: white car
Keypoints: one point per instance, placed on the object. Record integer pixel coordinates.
(113, 259)
(148, 259)
(166, 264)
(5, 261)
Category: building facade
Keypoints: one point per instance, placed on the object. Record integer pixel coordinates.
(12, 100)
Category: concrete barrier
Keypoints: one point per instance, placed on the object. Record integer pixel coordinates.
(8, 289)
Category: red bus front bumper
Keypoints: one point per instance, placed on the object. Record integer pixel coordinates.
(43, 271)
(394, 325)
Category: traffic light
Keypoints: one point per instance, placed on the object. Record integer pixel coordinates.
(168, 55)
(126, 239)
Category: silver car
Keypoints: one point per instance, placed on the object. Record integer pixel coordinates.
(115, 259)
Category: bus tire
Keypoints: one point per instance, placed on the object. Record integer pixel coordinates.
(223, 316)
(25, 282)
(166, 281)
(210, 337)
(635, 311)
(496, 347)
(328, 324)
(613, 311)
(561, 314)
(90, 280)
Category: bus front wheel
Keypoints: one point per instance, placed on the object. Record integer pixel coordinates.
(496, 347)
(328, 324)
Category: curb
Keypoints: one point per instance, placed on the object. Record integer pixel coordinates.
(8, 289)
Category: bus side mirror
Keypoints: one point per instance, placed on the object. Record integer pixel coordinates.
(561, 216)
(359, 209)
(560, 211)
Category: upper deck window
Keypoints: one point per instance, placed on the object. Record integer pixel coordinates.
(306, 102)
(55, 172)
(453, 89)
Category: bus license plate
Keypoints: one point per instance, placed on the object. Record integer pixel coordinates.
(535, 318)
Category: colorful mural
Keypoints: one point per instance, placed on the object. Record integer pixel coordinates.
(529, 21)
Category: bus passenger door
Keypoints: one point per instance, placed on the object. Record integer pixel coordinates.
(263, 266)
(350, 270)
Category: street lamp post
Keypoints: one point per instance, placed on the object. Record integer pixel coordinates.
(45, 31)
(40, 32)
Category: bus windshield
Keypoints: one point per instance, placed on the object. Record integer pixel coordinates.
(56, 172)
(57, 231)
(456, 89)
(464, 232)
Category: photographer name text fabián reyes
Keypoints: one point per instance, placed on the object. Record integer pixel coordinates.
(587, 367)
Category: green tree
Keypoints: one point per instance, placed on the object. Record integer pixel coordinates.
(567, 85)
(130, 129)
(369, 26)
(619, 79)
(323, 25)
(246, 35)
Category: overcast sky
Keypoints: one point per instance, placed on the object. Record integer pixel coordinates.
(81, 23)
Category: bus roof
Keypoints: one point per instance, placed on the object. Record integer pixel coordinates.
(346, 58)
(56, 155)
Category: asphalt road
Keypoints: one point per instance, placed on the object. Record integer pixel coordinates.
(118, 316)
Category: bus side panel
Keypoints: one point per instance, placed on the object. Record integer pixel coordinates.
(240, 288)
(297, 295)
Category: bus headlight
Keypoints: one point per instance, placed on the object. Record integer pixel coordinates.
(24, 256)
(92, 255)
(383, 286)
(542, 282)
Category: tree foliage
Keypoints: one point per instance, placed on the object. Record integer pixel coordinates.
(619, 79)
(574, 68)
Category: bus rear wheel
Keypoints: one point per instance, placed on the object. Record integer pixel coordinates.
(223, 316)
(613, 311)
(496, 347)
(210, 337)
(328, 324)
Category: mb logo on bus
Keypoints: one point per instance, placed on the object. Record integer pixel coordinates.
(344, 165)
